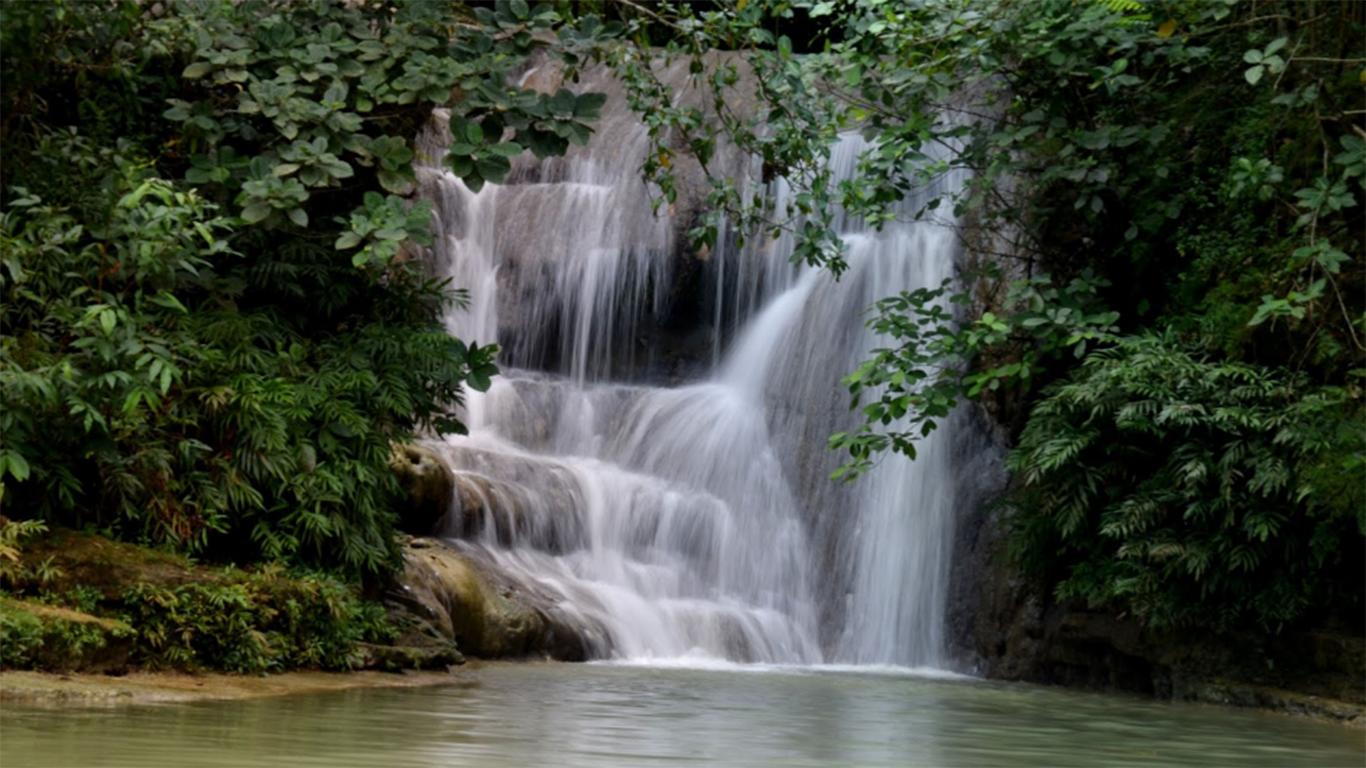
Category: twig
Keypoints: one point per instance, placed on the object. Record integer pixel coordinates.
(647, 12)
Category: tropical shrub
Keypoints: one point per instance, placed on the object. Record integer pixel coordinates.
(215, 326)
(13, 534)
(253, 622)
(77, 600)
(40, 636)
(1183, 490)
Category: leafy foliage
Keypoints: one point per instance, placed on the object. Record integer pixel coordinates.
(198, 349)
(13, 567)
(1183, 171)
(166, 611)
(36, 636)
(255, 622)
(1190, 491)
(937, 361)
(231, 620)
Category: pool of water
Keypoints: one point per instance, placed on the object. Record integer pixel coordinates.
(611, 715)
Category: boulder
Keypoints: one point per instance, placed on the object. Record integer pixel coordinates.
(458, 593)
(428, 484)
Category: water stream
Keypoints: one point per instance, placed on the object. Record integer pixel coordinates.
(684, 509)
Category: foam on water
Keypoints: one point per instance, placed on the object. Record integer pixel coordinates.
(704, 662)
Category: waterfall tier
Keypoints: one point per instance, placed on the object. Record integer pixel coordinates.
(686, 509)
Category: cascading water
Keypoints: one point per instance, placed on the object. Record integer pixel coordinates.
(695, 520)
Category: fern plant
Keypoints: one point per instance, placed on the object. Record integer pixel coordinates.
(1191, 491)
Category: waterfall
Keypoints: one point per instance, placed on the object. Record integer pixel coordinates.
(685, 510)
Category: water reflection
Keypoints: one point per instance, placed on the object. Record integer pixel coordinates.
(590, 715)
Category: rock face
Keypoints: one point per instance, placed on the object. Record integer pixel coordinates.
(1007, 625)
(451, 593)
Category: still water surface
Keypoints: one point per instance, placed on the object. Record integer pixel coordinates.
(601, 715)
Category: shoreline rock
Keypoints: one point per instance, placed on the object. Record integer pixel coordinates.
(458, 595)
(1006, 626)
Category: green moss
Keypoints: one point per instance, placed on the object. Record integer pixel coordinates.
(38, 636)
(172, 613)
(76, 560)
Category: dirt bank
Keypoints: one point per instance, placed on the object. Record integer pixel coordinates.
(81, 689)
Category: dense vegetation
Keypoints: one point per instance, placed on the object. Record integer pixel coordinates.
(214, 326)
(78, 601)
(215, 329)
(1164, 295)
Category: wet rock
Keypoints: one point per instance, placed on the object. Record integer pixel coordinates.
(542, 515)
(460, 595)
(1019, 632)
(424, 655)
(1239, 694)
(428, 485)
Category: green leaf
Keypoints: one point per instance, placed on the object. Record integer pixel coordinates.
(563, 102)
(130, 403)
(493, 168)
(255, 212)
(15, 464)
(460, 166)
(589, 105)
(298, 216)
(196, 70)
(169, 301)
(507, 149)
(395, 181)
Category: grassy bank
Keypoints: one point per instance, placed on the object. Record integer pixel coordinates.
(78, 602)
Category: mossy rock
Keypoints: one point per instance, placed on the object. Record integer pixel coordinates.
(464, 597)
(428, 486)
(38, 636)
(76, 559)
(396, 658)
(178, 614)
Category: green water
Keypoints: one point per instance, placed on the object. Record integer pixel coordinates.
(592, 715)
